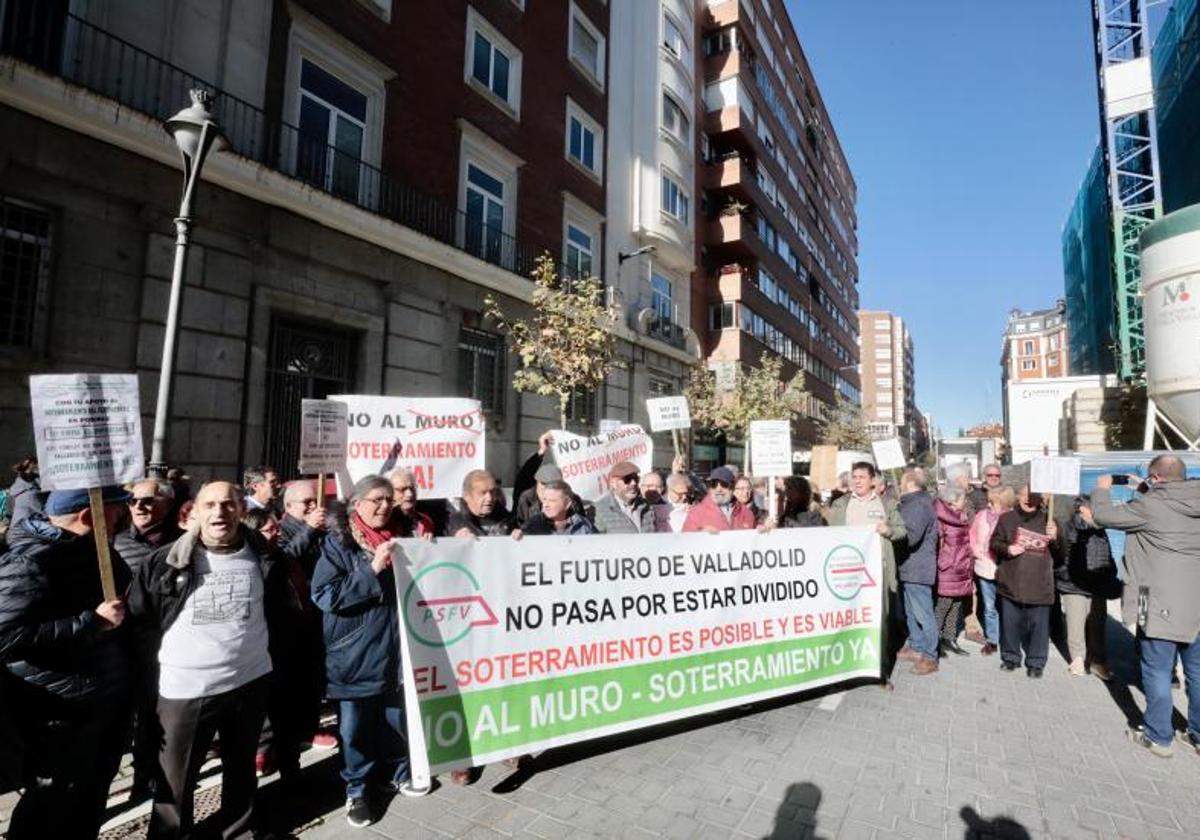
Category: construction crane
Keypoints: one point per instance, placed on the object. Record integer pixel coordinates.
(1130, 144)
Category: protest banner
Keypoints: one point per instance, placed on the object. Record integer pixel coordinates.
(585, 461)
(88, 433)
(609, 425)
(515, 647)
(1052, 475)
(770, 454)
(889, 454)
(439, 439)
(323, 439)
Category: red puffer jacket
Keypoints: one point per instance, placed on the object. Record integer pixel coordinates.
(706, 514)
(955, 562)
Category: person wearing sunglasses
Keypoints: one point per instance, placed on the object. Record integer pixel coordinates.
(719, 510)
(151, 527)
(623, 510)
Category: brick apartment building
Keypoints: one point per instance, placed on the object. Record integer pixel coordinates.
(388, 165)
(777, 268)
(1035, 344)
(888, 381)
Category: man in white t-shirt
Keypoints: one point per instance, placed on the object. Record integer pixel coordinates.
(207, 594)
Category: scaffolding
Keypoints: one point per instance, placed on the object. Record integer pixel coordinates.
(1129, 143)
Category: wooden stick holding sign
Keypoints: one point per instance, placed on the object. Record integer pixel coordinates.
(100, 531)
(88, 429)
(321, 490)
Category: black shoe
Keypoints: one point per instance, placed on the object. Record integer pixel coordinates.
(358, 812)
(956, 648)
(1035, 673)
(1008, 666)
(141, 790)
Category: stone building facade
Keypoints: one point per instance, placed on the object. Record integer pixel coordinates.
(354, 266)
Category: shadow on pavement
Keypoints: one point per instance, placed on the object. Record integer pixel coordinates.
(284, 811)
(979, 827)
(797, 814)
(561, 756)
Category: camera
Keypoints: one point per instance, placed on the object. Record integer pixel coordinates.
(1120, 479)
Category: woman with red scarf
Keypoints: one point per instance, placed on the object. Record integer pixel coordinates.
(354, 587)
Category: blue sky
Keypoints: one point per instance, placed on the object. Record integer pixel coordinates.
(968, 126)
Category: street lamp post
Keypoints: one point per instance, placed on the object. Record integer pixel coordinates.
(196, 133)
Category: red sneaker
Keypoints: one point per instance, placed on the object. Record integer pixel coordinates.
(324, 741)
(264, 763)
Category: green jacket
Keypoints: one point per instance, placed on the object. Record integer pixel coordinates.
(837, 516)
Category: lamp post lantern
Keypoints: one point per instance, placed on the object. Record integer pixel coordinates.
(196, 133)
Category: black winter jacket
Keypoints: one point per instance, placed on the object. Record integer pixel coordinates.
(135, 547)
(1086, 567)
(50, 637)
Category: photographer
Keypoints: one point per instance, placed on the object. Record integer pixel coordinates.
(1162, 559)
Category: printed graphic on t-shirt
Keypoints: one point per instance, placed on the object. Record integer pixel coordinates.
(222, 597)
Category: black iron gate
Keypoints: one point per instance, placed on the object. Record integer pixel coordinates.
(305, 361)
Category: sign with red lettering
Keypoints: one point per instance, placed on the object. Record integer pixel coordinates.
(439, 439)
(585, 461)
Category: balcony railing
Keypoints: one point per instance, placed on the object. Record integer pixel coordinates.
(63, 45)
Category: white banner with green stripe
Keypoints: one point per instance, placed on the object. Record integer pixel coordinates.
(517, 646)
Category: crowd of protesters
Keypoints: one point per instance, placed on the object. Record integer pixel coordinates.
(258, 602)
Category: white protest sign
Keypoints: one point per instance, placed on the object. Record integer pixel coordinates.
(1055, 475)
(516, 647)
(586, 461)
(667, 413)
(889, 455)
(439, 439)
(323, 436)
(87, 428)
(770, 447)
(607, 425)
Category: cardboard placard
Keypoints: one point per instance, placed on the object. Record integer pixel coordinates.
(608, 425)
(1055, 476)
(88, 429)
(823, 469)
(323, 436)
(889, 454)
(667, 413)
(770, 447)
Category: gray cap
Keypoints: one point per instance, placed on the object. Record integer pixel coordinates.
(547, 473)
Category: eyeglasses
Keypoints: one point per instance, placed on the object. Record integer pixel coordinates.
(304, 503)
(378, 501)
(629, 479)
(143, 501)
(716, 482)
(991, 475)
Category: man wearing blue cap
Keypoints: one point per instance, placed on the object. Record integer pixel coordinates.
(68, 664)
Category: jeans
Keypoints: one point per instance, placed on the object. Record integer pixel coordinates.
(918, 613)
(1158, 661)
(1024, 626)
(991, 615)
(373, 733)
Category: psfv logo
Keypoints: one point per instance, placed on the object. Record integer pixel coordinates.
(448, 617)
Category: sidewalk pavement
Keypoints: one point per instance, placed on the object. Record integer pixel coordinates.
(970, 752)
